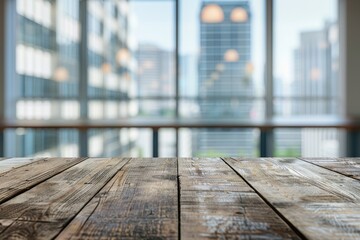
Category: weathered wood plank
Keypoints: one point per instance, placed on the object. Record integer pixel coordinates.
(320, 203)
(139, 202)
(347, 166)
(26, 176)
(42, 212)
(217, 203)
(10, 163)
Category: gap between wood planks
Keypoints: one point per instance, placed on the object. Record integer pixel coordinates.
(98, 174)
(311, 197)
(219, 203)
(82, 208)
(86, 216)
(22, 169)
(290, 224)
(329, 168)
(179, 196)
(137, 203)
(293, 227)
(9, 164)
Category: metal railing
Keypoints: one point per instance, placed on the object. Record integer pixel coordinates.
(266, 129)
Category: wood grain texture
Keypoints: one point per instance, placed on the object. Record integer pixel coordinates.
(217, 204)
(43, 211)
(26, 176)
(320, 203)
(10, 163)
(139, 202)
(347, 166)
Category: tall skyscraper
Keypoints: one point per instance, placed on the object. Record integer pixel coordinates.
(225, 74)
(316, 74)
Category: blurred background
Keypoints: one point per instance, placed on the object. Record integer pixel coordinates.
(148, 60)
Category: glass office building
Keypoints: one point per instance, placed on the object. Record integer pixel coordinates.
(48, 81)
(225, 76)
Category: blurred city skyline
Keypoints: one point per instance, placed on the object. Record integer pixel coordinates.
(289, 21)
(130, 70)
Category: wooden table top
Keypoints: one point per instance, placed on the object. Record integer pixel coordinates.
(188, 198)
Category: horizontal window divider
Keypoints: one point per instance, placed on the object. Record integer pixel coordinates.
(334, 98)
(310, 98)
(143, 98)
(347, 124)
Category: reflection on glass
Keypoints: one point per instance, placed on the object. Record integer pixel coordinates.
(212, 13)
(239, 14)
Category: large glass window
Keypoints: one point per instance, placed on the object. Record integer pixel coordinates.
(151, 61)
(306, 74)
(306, 58)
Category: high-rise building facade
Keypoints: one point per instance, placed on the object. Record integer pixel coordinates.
(225, 74)
(316, 72)
(315, 90)
(45, 84)
(47, 79)
(112, 75)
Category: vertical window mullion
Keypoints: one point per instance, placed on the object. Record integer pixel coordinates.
(7, 63)
(83, 16)
(177, 83)
(269, 97)
(267, 136)
(2, 70)
(83, 76)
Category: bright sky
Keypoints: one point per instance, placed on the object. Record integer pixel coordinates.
(155, 22)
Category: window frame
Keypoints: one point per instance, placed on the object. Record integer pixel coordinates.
(7, 71)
